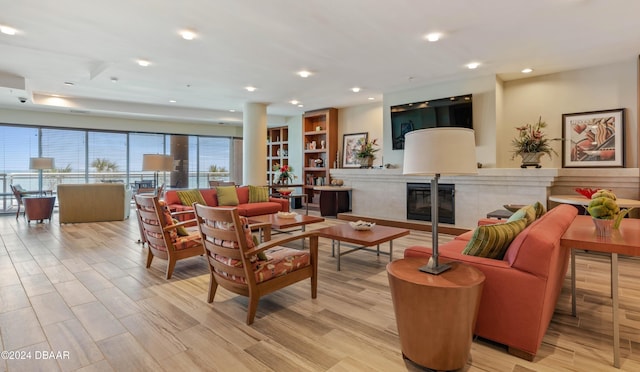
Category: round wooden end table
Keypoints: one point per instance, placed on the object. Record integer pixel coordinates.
(435, 314)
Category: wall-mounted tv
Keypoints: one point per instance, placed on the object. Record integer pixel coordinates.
(444, 112)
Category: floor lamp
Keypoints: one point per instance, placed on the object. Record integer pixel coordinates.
(157, 163)
(40, 164)
(439, 151)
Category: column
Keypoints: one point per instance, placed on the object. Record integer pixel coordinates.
(254, 133)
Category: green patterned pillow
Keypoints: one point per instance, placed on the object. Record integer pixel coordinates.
(540, 209)
(492, 241)
(188, 197)
(528, 212)
(227, 196)
(258, 194)
(180, 229)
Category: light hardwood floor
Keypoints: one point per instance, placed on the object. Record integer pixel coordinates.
(83, 289)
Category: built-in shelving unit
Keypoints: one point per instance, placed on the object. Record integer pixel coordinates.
(320, 146)
(277, 151)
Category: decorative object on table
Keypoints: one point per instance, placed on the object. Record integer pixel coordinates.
(337, 182)
(365, 151)
(531, 144)
(285, 175)
(350, 148)
(605, 212)
(287, 214)
(429, 152)
(513, 207)
(285, 191)
(586, 191)
(362, 225)
(40, 164)
(593, 139)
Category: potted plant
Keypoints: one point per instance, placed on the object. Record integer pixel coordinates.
(286, 173)
(366, 152)
(605, 212)
(531, 144)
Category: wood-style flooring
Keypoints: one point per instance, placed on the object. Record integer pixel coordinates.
(82, 292)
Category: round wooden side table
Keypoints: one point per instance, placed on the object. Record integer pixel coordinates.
(435, 314)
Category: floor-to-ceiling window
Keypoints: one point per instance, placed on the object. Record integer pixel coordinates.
(88, 156)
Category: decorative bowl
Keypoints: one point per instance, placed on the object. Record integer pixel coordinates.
(285, 192)
(287, 214)
(362, 225)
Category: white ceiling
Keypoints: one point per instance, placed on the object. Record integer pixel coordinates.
(376, 45)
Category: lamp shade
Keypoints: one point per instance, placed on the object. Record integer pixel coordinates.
(157, 162)
(449, 151)
(41, 163)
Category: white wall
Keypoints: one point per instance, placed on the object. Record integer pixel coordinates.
(604, 87)
(359, 119)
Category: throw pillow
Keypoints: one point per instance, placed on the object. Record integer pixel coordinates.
(261, 255)
(492, 241)
(188, 197)
(227, 195)
(180, 229)
(540, 209)
(258, 194)
(527, 212)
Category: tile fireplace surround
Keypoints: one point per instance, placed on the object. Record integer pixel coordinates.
(381, 193)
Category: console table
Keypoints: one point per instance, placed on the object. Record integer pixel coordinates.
(38, 208)
(624, 240)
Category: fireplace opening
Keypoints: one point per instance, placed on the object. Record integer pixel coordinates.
(419, 202)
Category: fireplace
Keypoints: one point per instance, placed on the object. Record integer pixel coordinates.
(419, 202)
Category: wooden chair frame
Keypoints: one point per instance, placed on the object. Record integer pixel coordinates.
(149, 208)
(254, 291)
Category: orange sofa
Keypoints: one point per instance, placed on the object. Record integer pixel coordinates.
(245, 208)
(520, 291)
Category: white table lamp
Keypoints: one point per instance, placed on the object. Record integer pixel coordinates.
(40, 164)
(157, 163)
(439, 151)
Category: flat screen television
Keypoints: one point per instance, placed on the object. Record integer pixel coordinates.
(444, 112)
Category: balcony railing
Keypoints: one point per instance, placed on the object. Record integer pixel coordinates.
(50, 180)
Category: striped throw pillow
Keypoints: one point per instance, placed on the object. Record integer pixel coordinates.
(527, 212)
(258, 194)
(540, 209)
(492, 241)
(188, 197)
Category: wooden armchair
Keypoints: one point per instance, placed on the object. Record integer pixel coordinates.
(17, 192)
(164, 238)
(238, 265)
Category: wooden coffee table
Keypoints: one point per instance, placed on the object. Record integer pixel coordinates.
(280, 224)
(362, 238)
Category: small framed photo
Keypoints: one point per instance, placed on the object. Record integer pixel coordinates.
(593, 139)
(350, 147)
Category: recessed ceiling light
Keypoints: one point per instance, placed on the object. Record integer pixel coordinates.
(8, 30)
(300, 105)
(371, 98)
(526, 70)
(355, 89)
(473, 65)
(294, 102)
(250, 88)
(188, 35)
(68, 83)
(232, 110)
(172, 101)
(114, 79)
(304, 73)
(434, 36)
(143, 63)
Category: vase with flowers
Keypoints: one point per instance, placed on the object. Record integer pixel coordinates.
(605, 212)
(285, 173)
(532, 144)
(365, 151)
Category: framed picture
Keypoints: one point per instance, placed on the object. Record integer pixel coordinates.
(593, 139)
(350, 147)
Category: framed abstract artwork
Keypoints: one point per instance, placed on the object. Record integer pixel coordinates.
(350, 147)
(593, 139)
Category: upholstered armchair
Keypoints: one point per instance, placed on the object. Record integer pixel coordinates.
(165, 238)
(241, 266)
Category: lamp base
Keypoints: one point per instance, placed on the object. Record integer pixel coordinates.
(434, 269)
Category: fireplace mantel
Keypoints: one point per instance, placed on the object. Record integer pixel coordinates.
(381, 193)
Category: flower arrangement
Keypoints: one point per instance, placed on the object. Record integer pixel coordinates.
(531, 139)
(365, 149)
(603, 206)
(286, 173)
